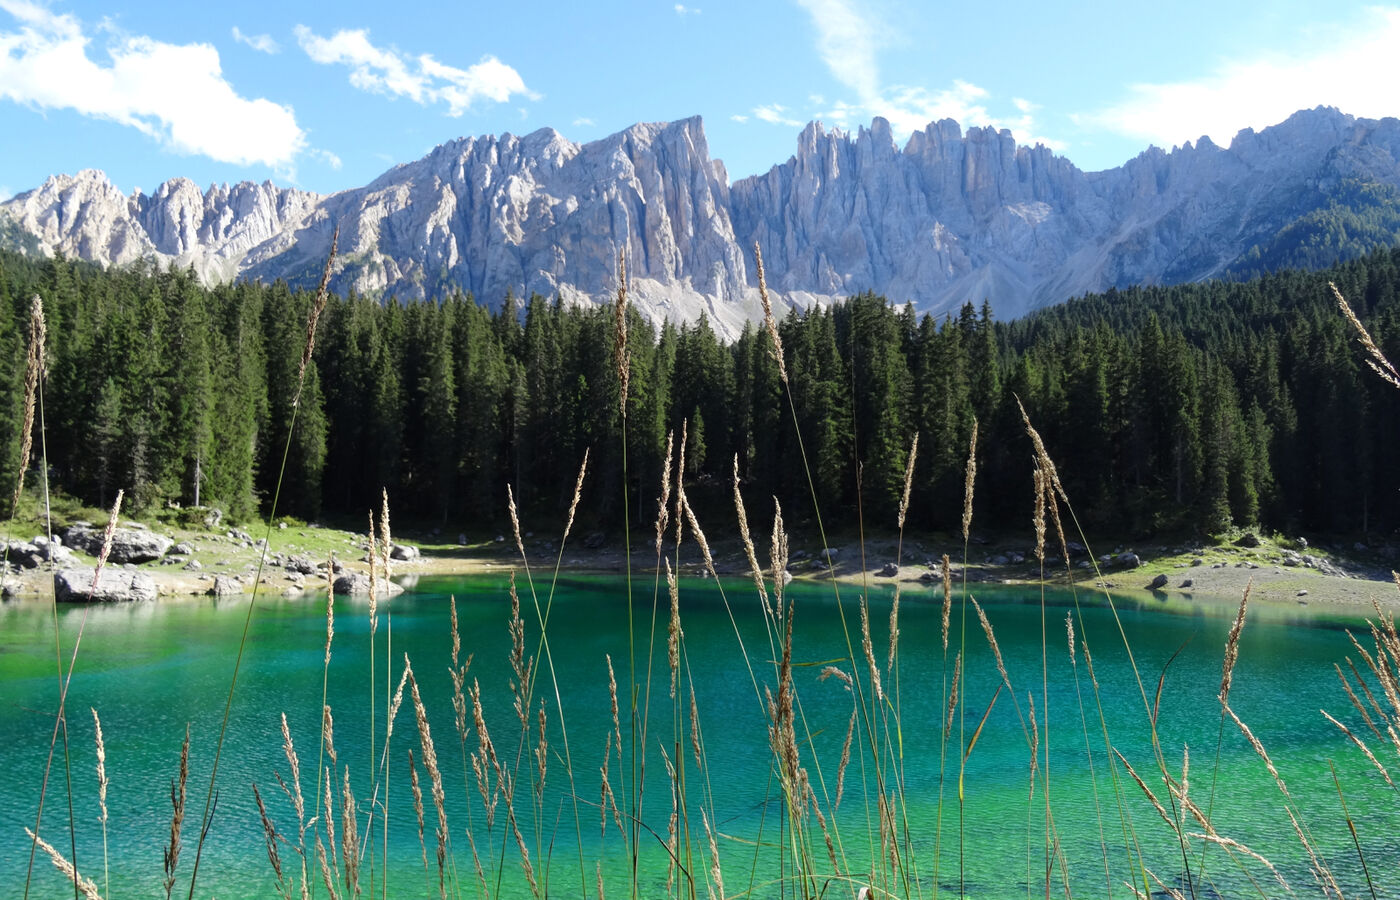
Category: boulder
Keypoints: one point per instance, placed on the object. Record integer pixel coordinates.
(129, 545)
(182, 549)
(225, 585)
(594, 540)
(404, 553)
(35, 553)
(213, 518)
(890, 570)
(1248, 539)
(113, 586)
(355, 584)
(1129, 560)
(1186, 583)
(1157, 583)
(301, 565)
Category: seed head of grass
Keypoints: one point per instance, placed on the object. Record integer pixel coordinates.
(663, 504)
(969, 480)
(869, 649)
(947, 599)
(769, 322)
(177, 818)
(673, 628)
(578, 493)
(991, 640)
(908, 481)
(33, 375)
(754, 570)
(1378, 362)
(1232, 647)
(318, 306)
(88, 888)
(624, 362)
(101, 767)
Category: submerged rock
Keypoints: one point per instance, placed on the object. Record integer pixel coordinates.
(355, 584)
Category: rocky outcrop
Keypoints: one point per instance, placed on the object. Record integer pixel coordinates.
(952, 216)
(112, 586)
(34, 553)
(129, 545)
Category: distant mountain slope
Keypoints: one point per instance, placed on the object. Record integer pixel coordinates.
(949, 218)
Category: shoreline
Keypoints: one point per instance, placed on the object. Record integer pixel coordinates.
(1194, 576)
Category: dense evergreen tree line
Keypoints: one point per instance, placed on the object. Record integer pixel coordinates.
(1194, 407)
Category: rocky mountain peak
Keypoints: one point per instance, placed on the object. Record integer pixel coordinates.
(953, 216)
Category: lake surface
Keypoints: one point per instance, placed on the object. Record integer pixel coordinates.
(152, 669)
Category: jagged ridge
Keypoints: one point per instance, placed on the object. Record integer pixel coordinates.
(951, 217)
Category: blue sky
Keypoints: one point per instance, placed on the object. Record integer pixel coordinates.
(327, 96)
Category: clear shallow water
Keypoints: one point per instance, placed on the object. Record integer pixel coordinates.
(151, 669)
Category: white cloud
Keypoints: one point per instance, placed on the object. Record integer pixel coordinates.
(776, 114)
(5, 192)
(263, 43)
(849, 43)
(328, 158)
(683, 10)
(421, 78)
(584, 122)
(1355, 69)
(738, 118)
(176, 94)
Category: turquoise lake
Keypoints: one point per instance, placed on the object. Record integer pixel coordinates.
(152, 669)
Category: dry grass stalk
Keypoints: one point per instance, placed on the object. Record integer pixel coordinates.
(663, 503)
(778, 556)
(373, 579)
(869, 650)
(826, 835)
(1232, 646)
(330, 606)
(947, 599)
(514, 521)
(476, 864)
(695, 730)
(520, 664)
(1259, 749)
(573, 505)
(1356, 702)
(298, 804)
(524, 850)
(680, 478)
(542, 754)
(673, 628)
(672, 825)
(1043, 460)
(459, 676)
(349, 838)
(953, 696)
(430, 763)
(845, 760)
(612, 697)
(1035, 743)
(598, 868)
(608, 800)
(328, 819)
(716, 876)
(270, 838)
(83, 884)
(754, 570)
(1156, 804)
(106, 550)
(328, 734)
(894, 630)
(484, 761)
(624, 360)
(417, 805)
(968, 482)
(769, 321)
(1236, 846)
(991, 639)
(1038, 516)
(33, 374)
(318, 306)
(908, 480)
(386, 542)
(1069, 630)
(327, 876)
(699, 535)
(1362, 744)
(1378, 363)
(101, 768)
(1171, 892)
(177, 819)
(1375, 707)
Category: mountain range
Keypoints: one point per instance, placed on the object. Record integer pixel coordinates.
(953, 216)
